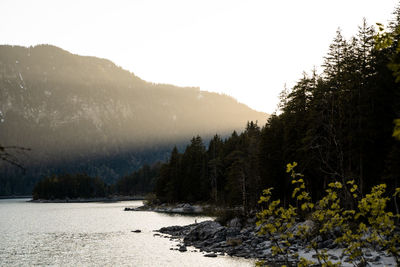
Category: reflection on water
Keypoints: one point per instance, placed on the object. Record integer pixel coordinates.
(92, 234)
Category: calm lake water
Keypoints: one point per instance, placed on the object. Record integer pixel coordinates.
(93, 234)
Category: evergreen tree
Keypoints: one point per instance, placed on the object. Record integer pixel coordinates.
(215, 166)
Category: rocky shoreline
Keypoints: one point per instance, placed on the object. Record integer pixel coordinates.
(242, 240)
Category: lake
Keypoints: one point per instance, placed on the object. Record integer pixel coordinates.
(93, 234)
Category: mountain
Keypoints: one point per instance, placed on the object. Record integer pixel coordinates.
(80, 113)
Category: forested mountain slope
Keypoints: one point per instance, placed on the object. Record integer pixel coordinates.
(81, 113)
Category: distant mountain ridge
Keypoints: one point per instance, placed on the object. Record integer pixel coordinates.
(68, 108)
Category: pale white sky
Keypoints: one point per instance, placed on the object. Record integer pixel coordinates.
(247, 49)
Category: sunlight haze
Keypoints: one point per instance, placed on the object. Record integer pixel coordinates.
(200, 133)
(246, 49)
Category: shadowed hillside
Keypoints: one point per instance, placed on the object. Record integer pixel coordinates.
(87, 114)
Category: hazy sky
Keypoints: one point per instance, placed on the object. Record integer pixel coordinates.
(247, 49)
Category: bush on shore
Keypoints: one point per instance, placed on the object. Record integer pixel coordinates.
(366, 224)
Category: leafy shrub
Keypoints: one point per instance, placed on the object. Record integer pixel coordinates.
(369, 225)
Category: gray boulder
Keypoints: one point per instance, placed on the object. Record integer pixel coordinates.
(202, 231)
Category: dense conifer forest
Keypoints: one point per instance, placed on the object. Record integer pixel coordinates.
(336, 124)
(138, 183)
(70, 186)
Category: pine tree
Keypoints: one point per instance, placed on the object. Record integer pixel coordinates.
(215, 165)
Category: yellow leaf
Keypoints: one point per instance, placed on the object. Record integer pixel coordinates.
(396, 131)
(397, 191)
